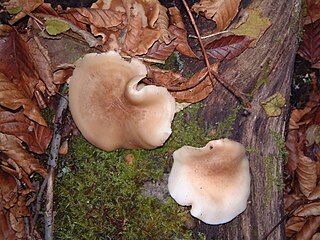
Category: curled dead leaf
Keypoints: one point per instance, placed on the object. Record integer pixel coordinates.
(309, 228)
(220, 11)
(13, 148)
(307, 175)
(307, 210)
(163, 24)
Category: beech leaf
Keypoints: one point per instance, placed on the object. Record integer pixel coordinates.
(228, 47)
(309, 228)
(12, 147)
(161, 51)
(310, 46)
(220, 11)
(307, 175)
(311, 209)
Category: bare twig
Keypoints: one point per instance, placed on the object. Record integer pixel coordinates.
(212, 74)
(52, 162)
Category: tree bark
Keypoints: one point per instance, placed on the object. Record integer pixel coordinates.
(273, 59)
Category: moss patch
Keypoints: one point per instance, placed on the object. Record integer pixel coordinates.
(99, 195)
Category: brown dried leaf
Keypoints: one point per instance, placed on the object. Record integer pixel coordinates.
(151, 9)
(12, 147)
(313, 11)
(27, 7)
(228, 47)
(8, 189)
(61, 76)
(220, 11)
(293, 150)
(307, 175)
(42, 63)
(163, 24)
(294, 225)
(16, 64)
(309, 228)
(307, 210)
(161, 51)
(315, 193)
(99, 18)
(36, 136)
(12, 98)
(310, 46)
(6, 232)
(181, 41)
(133, 36)
(148, 37)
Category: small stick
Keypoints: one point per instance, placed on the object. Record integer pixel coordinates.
(213, 74)
(52, 162)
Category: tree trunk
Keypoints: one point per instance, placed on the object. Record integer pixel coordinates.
(273, 60)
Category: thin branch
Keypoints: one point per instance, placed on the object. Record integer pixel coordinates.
(52, 162)
(212, 74)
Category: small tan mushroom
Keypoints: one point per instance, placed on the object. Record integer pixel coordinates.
(112, 110)
(214, 179)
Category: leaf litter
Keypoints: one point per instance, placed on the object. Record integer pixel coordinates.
(32, 76)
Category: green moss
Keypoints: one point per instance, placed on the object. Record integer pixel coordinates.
(225, 128)
(99, 195)
(273, 165)
(172, 63)
(264, 77)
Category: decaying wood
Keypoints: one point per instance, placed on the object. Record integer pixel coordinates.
(271, 59)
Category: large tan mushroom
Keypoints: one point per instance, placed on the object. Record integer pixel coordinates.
(112, 109)
(214, 179)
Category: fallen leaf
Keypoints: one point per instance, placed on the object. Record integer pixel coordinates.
(273, 105)
(6, 232)
(310, 46)
(228, 47)
(254, 27)
(42, 63)
(315, 193)
(292, 146)
(220, 11)
(178, 31)
(16, 64)
(313, 11)
(163, 24)
(56, 26)
(309, 228)
(307, 210)
(181, 41)
(307, 175)
(160, 51)
(313, 134)
(294, 225)
(27, 7)
(13, 148)
(12, 98)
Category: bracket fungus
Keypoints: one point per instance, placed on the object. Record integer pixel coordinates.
(112, 109)
(214, 179)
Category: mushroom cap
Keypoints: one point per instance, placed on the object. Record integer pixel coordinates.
(112, 110)
(214, 179)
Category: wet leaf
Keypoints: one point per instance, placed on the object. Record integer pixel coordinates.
(12, 147)
(56, 26)
(273, 105)
(307, 175)
(310, 46)
(228, 47)
(254, 27)
(220, 11)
